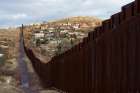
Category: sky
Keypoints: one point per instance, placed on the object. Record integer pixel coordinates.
(17, 12)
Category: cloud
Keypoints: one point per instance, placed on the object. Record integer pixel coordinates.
(15, 12)
(17, 16)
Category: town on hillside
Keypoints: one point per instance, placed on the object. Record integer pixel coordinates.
(53, 38)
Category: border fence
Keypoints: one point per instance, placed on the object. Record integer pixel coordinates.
(107, 61)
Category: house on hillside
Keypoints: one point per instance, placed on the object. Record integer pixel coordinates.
(84, 25)
(49, 35)
(44, 26)
(51, 29)
(38, 34)
(76, 26)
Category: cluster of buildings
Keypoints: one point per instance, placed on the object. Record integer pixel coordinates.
(62, 26)
(54, 35)
(50, 38)
(52, 31)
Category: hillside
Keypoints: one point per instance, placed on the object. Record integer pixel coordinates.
(55, 37)
(85, 23)
(79, 19)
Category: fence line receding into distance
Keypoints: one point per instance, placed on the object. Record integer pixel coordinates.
(107, 61)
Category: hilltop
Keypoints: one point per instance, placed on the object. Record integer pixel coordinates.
(84, 22)
(78, 19)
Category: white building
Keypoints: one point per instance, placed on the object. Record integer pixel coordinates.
(64, 31)
(39, 35)
(1, 55)
(76, 26)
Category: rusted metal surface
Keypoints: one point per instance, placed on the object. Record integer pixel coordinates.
(107, 61)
